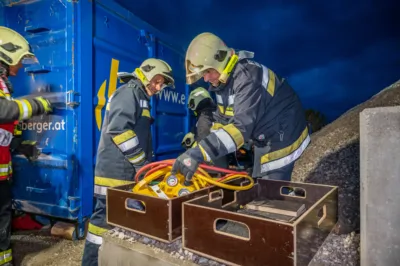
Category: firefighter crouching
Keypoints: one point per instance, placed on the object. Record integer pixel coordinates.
(253, 103)
(203, 106)
(14, 52)
(125, 142)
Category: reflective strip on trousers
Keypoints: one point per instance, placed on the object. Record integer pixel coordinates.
(94, 234)
(5, 256)
(102, 183)
(110, 182)
(100, 190)
(273, 165)
(92, 238)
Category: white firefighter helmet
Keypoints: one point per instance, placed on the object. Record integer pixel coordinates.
(204, 52)
(15, 48)
(152, 67)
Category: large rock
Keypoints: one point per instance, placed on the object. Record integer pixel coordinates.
(333, 158)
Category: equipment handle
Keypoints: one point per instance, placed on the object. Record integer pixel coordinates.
(215, 195)
(135, 205)
(321, 214)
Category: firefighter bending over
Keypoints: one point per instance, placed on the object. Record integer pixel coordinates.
(14, 52)
(255, 102)
(125, 142)
(203, 106)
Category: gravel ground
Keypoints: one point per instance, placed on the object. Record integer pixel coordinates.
(338, 250)
(39, 248)
(174, 248)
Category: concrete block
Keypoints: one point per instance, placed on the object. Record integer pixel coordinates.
(380, 186)
(115, 251)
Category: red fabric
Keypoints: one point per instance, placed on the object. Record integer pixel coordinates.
(25, 222)
(5, 155)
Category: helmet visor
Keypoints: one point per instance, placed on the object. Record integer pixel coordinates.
(29, 59)
(194, 73)
(169, 81)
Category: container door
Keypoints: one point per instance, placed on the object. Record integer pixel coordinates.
(170, 107)
(115, 52)
(119, 46)
(49, 185)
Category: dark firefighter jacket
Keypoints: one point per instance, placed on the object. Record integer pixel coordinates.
(256, 104)
(204, 126)
(125, 142)
(12, 111)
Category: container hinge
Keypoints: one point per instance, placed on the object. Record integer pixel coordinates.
(72, 98)
(146, 38)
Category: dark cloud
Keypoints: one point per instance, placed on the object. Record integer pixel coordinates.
(344, 50)
(343, 83)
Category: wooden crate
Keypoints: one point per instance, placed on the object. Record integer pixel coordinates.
(162, 218)
(268, 242)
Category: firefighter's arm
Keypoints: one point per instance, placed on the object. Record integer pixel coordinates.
(124, 111)
(22, 109)
(203, 126)
(232, 136)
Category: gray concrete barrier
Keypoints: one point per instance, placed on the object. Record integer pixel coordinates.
(380, 186)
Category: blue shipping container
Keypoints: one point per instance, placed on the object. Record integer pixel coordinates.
(81, 45)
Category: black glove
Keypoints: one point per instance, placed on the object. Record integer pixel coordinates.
(29, 149)
(44, 104)
(187, 163)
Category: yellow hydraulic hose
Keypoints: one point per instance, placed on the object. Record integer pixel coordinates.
(201, 179)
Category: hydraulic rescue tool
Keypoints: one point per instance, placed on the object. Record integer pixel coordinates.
(158, 181)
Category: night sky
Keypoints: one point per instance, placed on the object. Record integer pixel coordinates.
(336, 54)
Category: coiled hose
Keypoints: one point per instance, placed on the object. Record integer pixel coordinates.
(201, 179)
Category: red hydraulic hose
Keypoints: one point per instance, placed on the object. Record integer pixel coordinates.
(161, 164)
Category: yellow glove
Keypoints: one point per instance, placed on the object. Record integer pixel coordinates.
(215, 126)
(45, 104)
(188, 140)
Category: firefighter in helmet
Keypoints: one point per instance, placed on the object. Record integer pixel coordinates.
(125, 142)
(253, 103)
(14, 53)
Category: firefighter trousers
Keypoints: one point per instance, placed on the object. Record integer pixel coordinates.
(5, 222)
(97, 227)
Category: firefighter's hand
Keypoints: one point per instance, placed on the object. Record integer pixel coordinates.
(29, 149)
(45, 104)
(187, 163)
